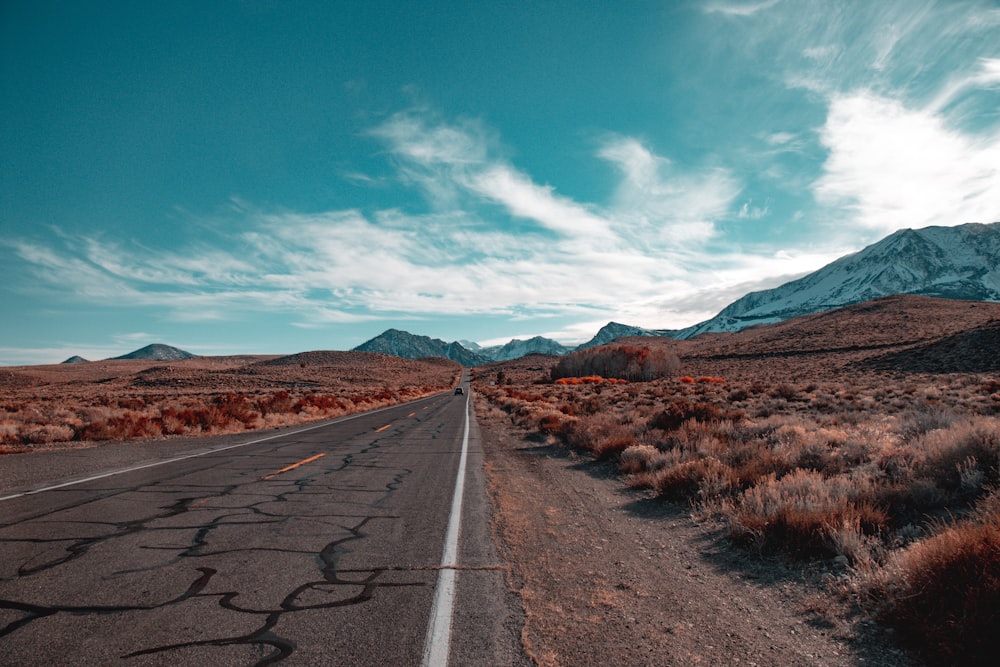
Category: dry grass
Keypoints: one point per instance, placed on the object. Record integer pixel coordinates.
(942, 594)
(47, 405)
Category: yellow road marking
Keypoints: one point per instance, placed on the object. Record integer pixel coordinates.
(294, 466)
(379, 430)
(411, 414)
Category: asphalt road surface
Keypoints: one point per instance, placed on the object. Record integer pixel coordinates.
(322, 545)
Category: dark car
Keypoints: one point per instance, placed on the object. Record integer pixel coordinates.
(458, 390)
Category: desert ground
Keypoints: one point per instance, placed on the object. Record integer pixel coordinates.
(821, 491)
(80, 404)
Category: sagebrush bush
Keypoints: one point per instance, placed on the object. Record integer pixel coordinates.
(942, 594)
(798, 512)
(602, 434)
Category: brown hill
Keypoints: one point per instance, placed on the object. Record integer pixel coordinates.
(895, 333)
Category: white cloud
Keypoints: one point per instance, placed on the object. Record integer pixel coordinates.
(987, 76)
(662, 202)
(894, 167)
(740, 8)
(750, 212)
(525, 199)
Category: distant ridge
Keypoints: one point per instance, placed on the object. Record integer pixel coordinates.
(517, 348)
(615, 330)
(157, 352)
(76, 359)
(409, 346)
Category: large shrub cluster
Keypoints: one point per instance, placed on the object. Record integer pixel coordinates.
(624, 362)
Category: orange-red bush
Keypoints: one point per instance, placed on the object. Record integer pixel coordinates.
(625, 362)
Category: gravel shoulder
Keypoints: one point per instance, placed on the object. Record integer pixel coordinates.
(608, 575)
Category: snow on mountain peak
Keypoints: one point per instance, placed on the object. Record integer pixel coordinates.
(961, 262)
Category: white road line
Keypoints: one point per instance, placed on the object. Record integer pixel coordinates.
(438, 640)
(191, 456)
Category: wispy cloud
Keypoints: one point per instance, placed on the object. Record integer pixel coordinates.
(659, 200)
(739, 8)
(910, 134)
(493, 241)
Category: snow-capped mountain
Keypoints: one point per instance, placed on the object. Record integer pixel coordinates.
(157, 352)
(410, 346)
(614, 330)
(961, 262)
(517, 348)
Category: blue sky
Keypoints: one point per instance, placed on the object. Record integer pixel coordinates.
(273, 177)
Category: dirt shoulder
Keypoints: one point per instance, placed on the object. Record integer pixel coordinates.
(609, 576)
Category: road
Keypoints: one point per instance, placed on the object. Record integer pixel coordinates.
(319, 546)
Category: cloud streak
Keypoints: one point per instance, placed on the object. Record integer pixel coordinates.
(493, 242)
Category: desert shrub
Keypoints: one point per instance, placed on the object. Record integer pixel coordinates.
(738, 395)
(681, 410)
(177, 420)
(604, 435)
(46, 433)
(552, 422)
(625, 362)
(924, 419)
(322, 402)
(752, 461)
(278, 403)
(588, 379)
(706, 476)
(785, 391)
(645, 458)
(798, 512)
(126, 425)
(234, 407)
(942, 594)
(963, 457)
(9, 431)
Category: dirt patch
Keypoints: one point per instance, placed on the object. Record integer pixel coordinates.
(609, 576)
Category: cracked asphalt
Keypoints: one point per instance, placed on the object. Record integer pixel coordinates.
(317, 547)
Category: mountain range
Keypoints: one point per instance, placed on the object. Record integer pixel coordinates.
(961, 262)
(411, 346)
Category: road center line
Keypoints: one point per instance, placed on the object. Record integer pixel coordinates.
(294, 465)
(438, 640)
(382, 428)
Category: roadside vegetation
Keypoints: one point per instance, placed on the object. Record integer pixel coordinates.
(53, 405)
(893, 480)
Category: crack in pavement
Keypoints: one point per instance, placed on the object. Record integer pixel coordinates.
(249, 505)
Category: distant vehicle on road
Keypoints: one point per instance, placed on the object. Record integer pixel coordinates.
(458, 390)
